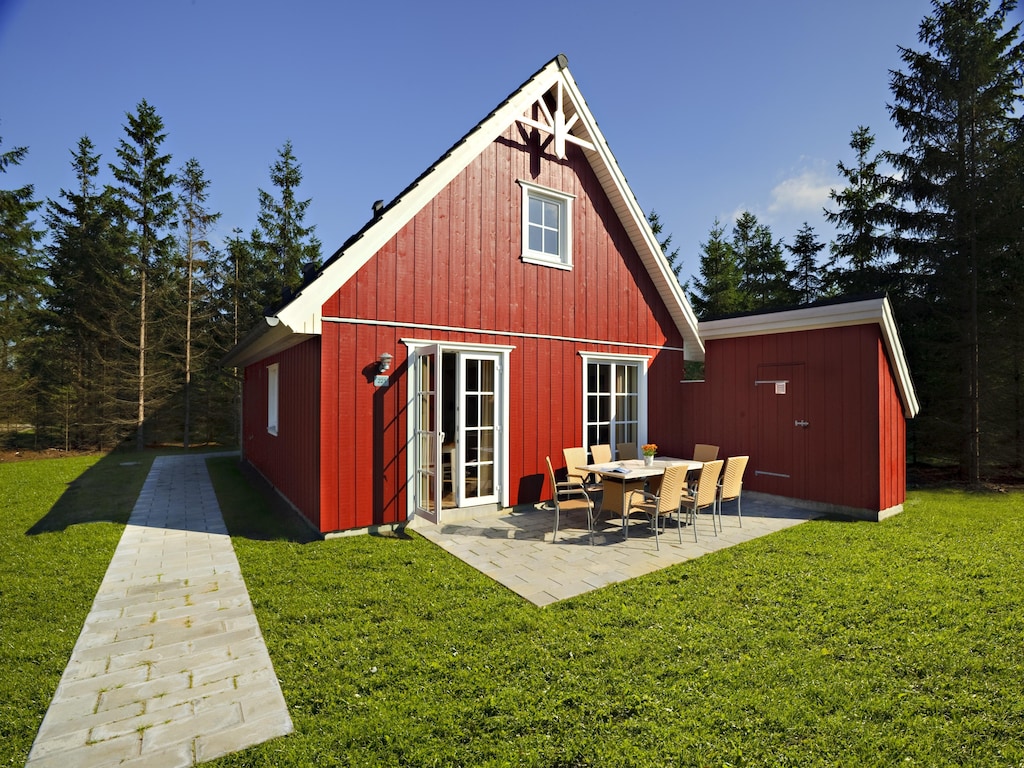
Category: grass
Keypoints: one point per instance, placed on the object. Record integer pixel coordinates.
(60, 523)
(832, 643)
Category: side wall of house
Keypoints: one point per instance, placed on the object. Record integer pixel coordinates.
(892, 448)
(290, 459)
(454, 274)
(833, 432)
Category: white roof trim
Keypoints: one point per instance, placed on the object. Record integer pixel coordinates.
(303, 314)
(862, 312)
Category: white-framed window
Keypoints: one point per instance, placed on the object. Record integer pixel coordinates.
(547, 226)
(273, 392)
(614, 399)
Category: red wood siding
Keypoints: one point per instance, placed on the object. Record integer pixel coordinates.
(290, 460)
(456, 265)
(852, 454)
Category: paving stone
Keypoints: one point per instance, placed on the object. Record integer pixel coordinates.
(170, 662)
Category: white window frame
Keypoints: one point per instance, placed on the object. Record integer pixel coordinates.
(640, 362)
(563, 260)
(273, 395)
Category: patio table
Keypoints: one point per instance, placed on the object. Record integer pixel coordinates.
(630, 475)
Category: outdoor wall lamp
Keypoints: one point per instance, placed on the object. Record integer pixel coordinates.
(384, 362)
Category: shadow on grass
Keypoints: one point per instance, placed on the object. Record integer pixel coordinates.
(105, 492)
(250, 506)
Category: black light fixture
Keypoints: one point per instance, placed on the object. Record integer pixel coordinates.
(384, 362)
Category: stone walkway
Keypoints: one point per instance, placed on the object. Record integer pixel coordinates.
(170, 668)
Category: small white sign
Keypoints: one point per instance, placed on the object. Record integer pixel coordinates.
(380, 381)
(780, 387)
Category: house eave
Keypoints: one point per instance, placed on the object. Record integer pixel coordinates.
(268, 337)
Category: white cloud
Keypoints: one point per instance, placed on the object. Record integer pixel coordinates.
(807, 191)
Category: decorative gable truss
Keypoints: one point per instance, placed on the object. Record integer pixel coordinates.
(554, 122)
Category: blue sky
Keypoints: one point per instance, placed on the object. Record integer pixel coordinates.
(710, 108)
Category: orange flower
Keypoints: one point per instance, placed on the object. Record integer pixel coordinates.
(649, 449)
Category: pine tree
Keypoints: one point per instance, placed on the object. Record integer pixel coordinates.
(672, 257)
(860, 251)
(196, 224)
(717, 291)
(20, 287)
(765, 281)
(146, 192)
(282, 245)
(957, 104)
(809, 278)
(87, 271)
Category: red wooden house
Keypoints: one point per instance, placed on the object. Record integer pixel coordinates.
(510, 302)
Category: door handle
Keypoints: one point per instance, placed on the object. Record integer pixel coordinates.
(801, 423)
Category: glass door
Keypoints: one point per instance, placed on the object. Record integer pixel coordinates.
(479, 429)
(427, 437)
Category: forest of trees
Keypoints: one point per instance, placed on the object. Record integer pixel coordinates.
(937, 225)
(116, 305)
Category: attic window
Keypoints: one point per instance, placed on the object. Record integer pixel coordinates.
(547, 226)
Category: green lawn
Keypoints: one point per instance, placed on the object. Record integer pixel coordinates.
(832, 644)
(60, 521)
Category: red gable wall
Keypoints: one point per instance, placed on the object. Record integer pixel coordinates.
(454, 271)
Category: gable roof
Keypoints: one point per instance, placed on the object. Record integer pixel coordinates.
(571, 121)
(827, 314)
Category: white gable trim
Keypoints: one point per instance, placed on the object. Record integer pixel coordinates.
(862, 312)
(303, 315)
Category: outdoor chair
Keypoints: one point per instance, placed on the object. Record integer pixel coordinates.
(574, 459)
(664, 504)
(705, 452)
(731, 487)
(570, 497)
(602, 454)
(626, 451)
(702, 452)
(703, 494)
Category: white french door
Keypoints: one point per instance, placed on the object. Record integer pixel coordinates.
(479, 429)
(427, 434)
(458, 431)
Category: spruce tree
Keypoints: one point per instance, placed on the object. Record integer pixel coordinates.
(716, 291)
(87, 272)
(672, 257)
(20, 287)
(809, 277)
(196, 222)
(146, 192)
(282, 244)
(958, 105)
(860, 251)
(766, 281)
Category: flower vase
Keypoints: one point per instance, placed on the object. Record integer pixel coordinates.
(648, 460)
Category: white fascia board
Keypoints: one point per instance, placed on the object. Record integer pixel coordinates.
(635, 220)
(865, 312)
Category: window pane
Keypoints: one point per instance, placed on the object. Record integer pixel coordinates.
(536, 238)
(550, 214)
(536, 211)
(487, 410)
(551, 242)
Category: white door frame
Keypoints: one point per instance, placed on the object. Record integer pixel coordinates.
(501, 467)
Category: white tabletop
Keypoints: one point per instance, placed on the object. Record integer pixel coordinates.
(629, 469)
